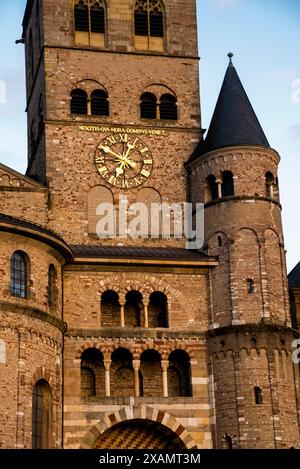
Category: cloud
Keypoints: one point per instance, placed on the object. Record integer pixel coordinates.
(293, 132)
(224, 4)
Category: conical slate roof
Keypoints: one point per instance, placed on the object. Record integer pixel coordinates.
(234, 122)
(294, 277)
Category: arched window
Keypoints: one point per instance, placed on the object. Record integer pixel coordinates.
(149, 24)
(99, 103)
(227, 184)
(41, 416)
(110, 309)
(97, 195)
(19, 274)
(168, 107)
(148, 106)
(89, 18)
(79, 102)
(158, 310)
(211, 188)
(97, 17)
(179, 374)
(81, 15)
(258, 395)
(122, 373)
(250, 286)
(133, 309)
(151, 372)
(269, 181)
(92, 373)
(52, 287)
(148, 18)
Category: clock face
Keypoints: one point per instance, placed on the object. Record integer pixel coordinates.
(124, 161)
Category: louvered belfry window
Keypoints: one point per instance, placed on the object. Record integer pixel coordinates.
(148, 106)
(168, 107)
(81, 16)
(99, 103)
(149, 22)
(89, 17)
(79, 102)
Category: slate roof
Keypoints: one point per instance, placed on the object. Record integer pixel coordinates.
(234, 122)
(27, 224)
(125, 252)
(13, 224)
(294, 277)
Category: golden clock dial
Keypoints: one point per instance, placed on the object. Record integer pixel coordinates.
(124, 161)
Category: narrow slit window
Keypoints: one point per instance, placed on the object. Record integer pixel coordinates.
(250, 286)
(19, 275)
(52, 288)
(258, 395)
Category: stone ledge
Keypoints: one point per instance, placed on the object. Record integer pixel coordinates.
(34, 313)
(119, 333)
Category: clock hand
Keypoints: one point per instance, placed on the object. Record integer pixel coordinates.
(107, 150)
(130, 147)
(119, 171)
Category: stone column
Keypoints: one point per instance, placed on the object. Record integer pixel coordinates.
(219, 182)
(89, 106)
(107, 364)
(146, 318)
(165, 366)
(122, 312)
(137, 366)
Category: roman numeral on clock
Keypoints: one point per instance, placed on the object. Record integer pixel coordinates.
(112, 180)
(99, 159)
(145, 173)
(103, 171)
(111, 139)
(123, 138)
(144, 150)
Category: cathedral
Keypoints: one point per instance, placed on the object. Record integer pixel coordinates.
(112, 341)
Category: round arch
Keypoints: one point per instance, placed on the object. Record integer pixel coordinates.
(142, 414)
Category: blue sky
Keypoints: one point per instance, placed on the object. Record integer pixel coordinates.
(264, 35)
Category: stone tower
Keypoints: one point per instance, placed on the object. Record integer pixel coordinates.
(88, 85)
(113, 109)
(249, 342)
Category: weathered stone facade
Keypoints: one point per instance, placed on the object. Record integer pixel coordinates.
(138, 342)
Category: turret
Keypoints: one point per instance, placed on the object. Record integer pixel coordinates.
(234, 173)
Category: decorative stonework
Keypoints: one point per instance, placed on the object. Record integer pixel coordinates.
(137, 412)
